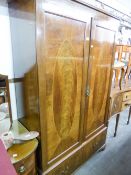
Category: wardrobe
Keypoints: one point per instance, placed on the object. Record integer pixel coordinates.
(66, 89)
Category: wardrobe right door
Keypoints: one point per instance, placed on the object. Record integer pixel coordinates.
(99, 77)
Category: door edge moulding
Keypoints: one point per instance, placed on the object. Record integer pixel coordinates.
(106, 9)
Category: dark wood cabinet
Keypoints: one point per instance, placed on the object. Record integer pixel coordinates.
(71, 81)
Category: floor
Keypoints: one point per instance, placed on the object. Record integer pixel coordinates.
(116, 158)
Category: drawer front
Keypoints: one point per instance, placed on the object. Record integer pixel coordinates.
(67, 166)
(116, 104)
(127, 96)
(95, 144)
(26, 166)
(126, 104)
(125, 49)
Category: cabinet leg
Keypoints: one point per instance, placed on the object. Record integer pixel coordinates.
(117, 121)
(129, 116)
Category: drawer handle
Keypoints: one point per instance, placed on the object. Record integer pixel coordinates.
(88, 91)
(22, 169)
(127, 104)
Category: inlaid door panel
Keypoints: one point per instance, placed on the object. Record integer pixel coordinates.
(99, 74)
(63, 65)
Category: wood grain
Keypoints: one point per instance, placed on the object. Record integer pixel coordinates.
(116, 104)
(101, 54)
(63, 59)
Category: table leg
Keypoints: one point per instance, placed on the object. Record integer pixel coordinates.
(117, 121)
(121, 78)
(129, 116)
(117, 73)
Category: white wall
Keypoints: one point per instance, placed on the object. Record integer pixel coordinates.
(24, 50)
(6, 64)
(19, 99)
(23, 42)
(6, 61)
(17, 52)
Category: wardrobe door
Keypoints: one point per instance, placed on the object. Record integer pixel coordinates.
(99, 77)
(60, 68)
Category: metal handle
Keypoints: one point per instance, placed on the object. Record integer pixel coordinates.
(22, 169)
(88, 91)
(127, 104)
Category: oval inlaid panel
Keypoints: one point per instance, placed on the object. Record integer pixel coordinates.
(64, 89)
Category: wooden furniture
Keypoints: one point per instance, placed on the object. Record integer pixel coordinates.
(119, 75)
(23, 155)
(120, 100)
(120, 97)
(67, 88)
(123, 71)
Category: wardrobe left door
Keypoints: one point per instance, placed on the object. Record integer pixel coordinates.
(60, 67)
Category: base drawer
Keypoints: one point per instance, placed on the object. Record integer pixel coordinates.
(94, 144)
(67, 166)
